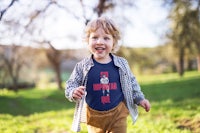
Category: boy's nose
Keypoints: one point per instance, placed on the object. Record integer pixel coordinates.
(100, 41)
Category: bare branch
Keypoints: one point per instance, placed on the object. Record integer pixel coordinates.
(4, 10)
(84, 12)
(67, 10)
(37, 13)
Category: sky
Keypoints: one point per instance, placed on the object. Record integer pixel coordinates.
(148, 26)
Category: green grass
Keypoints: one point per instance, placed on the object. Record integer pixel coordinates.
(175, 108)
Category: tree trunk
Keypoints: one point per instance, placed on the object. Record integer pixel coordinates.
(181, 62)
(58, 77)
(54, 57)
(15, 84)
(198, 62)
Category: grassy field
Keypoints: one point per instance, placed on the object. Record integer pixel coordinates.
(175, 108)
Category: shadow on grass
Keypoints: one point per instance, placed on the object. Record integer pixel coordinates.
(173, 90)
(23, 104)
(27, 102)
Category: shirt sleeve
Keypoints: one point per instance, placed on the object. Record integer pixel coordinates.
(136, 89)
(73, 82)
(137, 93)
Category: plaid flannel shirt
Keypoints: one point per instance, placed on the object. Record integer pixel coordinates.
(130, 88)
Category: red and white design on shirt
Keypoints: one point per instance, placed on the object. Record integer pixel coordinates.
(105, 87)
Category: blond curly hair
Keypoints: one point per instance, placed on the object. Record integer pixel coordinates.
(108, 26)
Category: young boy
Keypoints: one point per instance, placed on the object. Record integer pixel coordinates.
(103, 86)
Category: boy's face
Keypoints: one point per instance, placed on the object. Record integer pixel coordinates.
(100, 45)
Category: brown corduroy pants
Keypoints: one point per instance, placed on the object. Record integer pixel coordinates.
(111, 121)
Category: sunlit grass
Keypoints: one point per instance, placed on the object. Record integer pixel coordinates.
(35, 110)
(175, 108)
(57, 121)
(162, 78)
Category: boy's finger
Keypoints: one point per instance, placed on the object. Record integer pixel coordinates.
(82, 87)
(147, 107)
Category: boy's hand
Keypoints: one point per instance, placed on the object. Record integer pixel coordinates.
(145, 104)
(78, 92)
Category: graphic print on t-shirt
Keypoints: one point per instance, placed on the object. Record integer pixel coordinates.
(105, 87)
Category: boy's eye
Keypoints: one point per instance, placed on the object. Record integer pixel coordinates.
(106, 38)
(94, 37)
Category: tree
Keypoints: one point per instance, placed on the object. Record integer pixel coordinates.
(183, 22)
(13, 62)
(54, 57)
(30, 28)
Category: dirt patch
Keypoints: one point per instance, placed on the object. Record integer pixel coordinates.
(191, 124)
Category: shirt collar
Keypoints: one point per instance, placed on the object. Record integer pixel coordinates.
(114, 57)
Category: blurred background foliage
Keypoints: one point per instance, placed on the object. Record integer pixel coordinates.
(30, 54)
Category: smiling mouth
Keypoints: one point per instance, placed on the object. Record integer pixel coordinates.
(99, 48)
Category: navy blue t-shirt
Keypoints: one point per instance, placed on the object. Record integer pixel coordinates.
(103, 87)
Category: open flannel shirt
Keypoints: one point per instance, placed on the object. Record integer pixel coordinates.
(130, 88)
